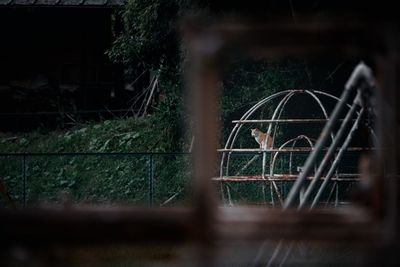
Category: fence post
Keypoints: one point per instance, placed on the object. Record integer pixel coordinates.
(24, 181)
(151, 179)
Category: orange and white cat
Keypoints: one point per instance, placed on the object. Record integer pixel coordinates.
(263, 139)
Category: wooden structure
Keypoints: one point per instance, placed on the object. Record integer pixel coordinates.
(53, 66)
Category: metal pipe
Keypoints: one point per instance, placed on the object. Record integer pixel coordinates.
(331, 150)
(272, 165)
(336, 161)
(337, 195)
(283, 120)
(24, 181)
(361, 71)
(296, 149)
(280, 149)
(280, 178)
(236, 129)
(247, 115)
(151, 180)
(232, 136)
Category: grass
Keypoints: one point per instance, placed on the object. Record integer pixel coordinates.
(120, 135)
(91, 178)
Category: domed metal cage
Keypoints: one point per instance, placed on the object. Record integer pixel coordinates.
(261, 164)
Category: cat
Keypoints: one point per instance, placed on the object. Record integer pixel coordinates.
(263, 139)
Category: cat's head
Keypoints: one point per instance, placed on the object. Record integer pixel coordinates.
(254, 132)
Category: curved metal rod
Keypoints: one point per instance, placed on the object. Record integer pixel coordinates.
(235, 131)
(337, 160)
(279, 116)
(274, 158)
(284, 145)
(331, 96)
(331, 149)
(251, 111)
(237, 127)
(319, 103)
(232, 137)
(280, 113)
(348, 105)
(279, 109)
(315, 98)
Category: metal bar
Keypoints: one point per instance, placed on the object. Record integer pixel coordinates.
(264, 159)
(247, 164)
(337, 160)
(289, 94)
(330, 194)
(151, 180)
(232, 136)
(278, 113)
(337, 195)
(229, 196)
(354, 178)
(24, 181)
(279, 109)
(285, 144)
(331, 150)
(275, 254)
(283, 121)
(296, 149)
(271, 191)
(361, 71)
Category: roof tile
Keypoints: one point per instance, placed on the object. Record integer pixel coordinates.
(71, 2)
(62, 2)
(24, 2)
(47, 2)
(95, 2)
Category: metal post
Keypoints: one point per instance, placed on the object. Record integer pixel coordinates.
(151, 179)
(337, 159)
(331, 150)
(229, 196)
(263, 164)
(272, 194)
(360, 72)
(337, 195)
(24, 181)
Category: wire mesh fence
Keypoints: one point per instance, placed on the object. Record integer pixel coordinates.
(150, 179)
(96, 178)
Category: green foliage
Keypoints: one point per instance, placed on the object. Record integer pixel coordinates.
(148, 41)
(149, 37)
(249, 81)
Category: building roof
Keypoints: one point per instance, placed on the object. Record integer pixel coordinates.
(97, 3)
